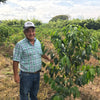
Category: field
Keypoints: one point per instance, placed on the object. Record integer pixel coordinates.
(12, 33)
(9, 90)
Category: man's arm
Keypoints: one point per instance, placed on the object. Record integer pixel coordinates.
(46, 57)
(15, 70)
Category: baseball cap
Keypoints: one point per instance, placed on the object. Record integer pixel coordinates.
(28, 24)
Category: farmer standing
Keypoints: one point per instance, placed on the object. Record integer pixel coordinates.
(27, 53)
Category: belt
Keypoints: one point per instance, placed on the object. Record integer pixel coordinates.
(32, 72)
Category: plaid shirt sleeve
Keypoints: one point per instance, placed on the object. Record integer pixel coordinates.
(17, 52)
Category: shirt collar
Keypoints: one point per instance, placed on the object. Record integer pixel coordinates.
(29, 41)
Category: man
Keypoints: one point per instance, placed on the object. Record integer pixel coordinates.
(28, 53)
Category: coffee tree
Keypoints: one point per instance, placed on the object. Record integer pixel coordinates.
(73, 46)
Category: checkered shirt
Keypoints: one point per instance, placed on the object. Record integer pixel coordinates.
(28, 55)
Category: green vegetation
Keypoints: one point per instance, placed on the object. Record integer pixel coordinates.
(73, 46)
(73, 42)
(12, 30)
(59, 17)
(3, 1)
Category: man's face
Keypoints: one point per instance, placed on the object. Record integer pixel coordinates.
(30, 33)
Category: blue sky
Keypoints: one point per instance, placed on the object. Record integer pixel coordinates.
(44, 10)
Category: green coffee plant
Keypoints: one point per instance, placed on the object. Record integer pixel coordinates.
(74, 45)
(4, 33)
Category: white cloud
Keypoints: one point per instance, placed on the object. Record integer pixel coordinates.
(44, 10)
(87, 11)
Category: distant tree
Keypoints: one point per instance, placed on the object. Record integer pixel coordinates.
(60, 17)
(3, 1)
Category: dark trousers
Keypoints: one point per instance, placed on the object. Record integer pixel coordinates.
(29, 85)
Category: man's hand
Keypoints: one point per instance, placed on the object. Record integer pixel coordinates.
(16, 78)
(51, 60)
(46, 57)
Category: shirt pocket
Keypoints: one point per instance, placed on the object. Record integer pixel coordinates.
(29, 52)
